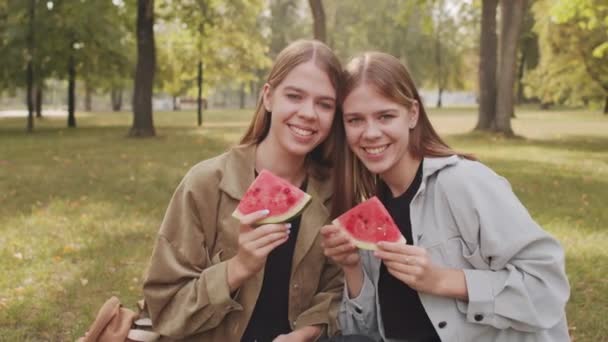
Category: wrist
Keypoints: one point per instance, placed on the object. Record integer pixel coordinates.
(451, 283)
(309, 333)
(237, 274)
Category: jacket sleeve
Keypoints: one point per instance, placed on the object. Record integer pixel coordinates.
(358, 315)
(325, 303)
(186, 291)
(521, 281)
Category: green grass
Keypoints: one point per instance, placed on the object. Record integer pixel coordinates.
(80, 207)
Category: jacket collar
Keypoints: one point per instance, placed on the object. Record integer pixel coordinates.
(432, 165)
(239, 173)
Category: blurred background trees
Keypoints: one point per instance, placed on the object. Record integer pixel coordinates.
(170, 54)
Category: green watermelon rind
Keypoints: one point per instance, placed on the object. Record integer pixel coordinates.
(296, 210)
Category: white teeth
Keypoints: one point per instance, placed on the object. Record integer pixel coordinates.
(300, 131)
(375, 150)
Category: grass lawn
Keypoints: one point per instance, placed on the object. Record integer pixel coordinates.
(80, 207)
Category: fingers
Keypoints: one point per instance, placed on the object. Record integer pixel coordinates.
(400, 247)
(402, 268)
(252, 218)
(267, 229)
(330, 229)
(264, 251)
(266, 240)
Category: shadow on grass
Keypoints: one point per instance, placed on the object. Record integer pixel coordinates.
(569, 142)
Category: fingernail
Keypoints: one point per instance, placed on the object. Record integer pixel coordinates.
(265, 212)
(287, 225)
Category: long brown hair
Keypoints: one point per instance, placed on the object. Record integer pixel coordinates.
(296, 53)
(390, 78)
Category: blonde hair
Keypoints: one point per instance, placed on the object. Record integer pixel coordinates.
(390, 78)
(296, 53)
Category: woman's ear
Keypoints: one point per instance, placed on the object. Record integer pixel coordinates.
(267, 97)
(413, 114)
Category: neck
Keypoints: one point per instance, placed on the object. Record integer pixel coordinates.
(271, 157)
(400, 176)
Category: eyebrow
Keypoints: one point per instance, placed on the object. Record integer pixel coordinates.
(299, 90)
(381, 111)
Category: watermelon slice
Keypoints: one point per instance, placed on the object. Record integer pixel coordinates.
(271, 192)
(369, 223)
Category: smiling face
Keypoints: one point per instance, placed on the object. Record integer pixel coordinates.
(303, 107)
(377, 129)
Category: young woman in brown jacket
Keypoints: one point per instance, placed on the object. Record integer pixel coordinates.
(212, 278)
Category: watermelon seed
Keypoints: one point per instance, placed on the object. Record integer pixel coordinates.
(286, 191)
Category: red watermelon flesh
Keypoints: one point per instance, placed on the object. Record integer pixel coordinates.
(369, 223)
(271, 192)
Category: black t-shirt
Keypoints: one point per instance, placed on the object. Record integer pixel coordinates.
(270, 315)
(403, 315)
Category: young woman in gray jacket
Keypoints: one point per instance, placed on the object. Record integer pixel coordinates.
(475, 265)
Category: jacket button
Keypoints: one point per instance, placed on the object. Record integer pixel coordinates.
(478, 317)
(358, 310)
(296, 286)
(442, 324)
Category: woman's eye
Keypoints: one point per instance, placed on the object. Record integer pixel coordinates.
(385, 117)
(294, 96)
(327, 105)
(353, 121)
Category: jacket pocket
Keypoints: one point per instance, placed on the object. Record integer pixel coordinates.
(462, 255)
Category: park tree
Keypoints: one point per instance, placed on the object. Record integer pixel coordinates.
(143, 124)
(512, 14)
(287, 22)
(220, 41)
(24, 61)
(90, 45)
(497, 75)
(573, 65)
(488, 57)
(318, 15)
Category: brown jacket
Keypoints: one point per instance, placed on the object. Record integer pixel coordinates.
(186, 290)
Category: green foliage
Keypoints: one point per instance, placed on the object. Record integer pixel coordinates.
(224, 35)
(414, 31)
(94, 32)
(573, 66)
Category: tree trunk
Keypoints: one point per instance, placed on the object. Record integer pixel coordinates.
(39, 101)
(116, 99)
(199, 97)
(512, 13)
(606, 105)
(318, 14)
(143, 125)
(439, 95)
(242, 95)
(520, 77)
(487, 67)
(71, 91)
(88, 94)
(30, 68)
(176, 103)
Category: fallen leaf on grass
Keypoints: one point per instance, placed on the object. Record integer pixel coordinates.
(84, 281)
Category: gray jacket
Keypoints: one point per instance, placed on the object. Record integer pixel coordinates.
(467, 217)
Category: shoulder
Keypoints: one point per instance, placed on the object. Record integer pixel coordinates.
(208, 172)
(469, 177)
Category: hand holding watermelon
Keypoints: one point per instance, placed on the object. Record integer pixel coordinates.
(369, 223)
(413, 266)
(338, 246)
(254, 245)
